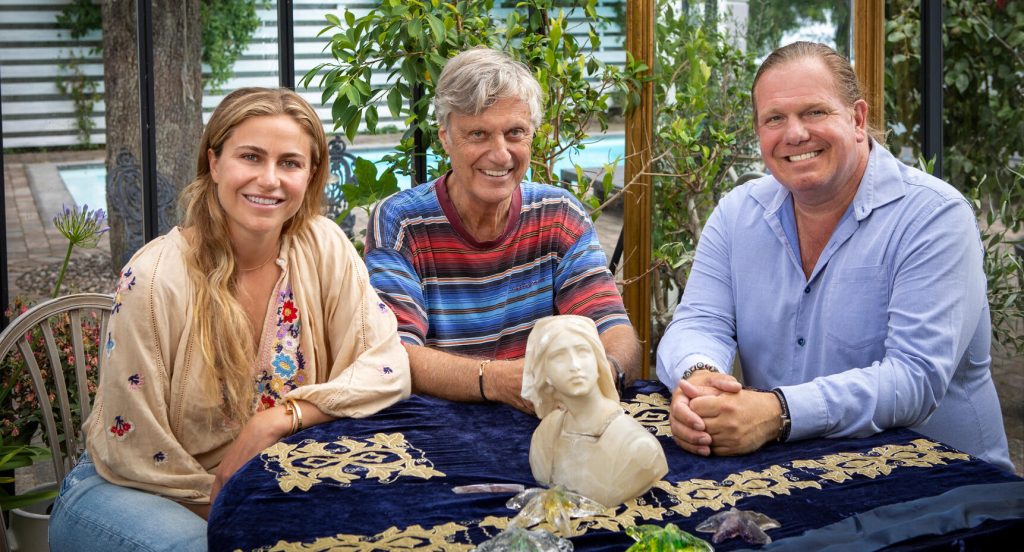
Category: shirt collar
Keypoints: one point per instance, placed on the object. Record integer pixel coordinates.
(881, 184)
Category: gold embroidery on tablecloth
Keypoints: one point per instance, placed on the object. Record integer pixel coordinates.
(385, 457)
(439, 538)
(919, 453)
(666, 500)
(697, 494)
(651, 411)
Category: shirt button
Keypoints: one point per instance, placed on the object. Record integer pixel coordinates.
(807, 289)
(801, 342)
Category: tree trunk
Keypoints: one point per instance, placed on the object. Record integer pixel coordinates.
(177, 75)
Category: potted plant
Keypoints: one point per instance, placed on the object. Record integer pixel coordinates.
(20, 408)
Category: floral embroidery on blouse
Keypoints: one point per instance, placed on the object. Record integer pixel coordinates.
(135, 381)
(109, 347)
(383, 308)
(159, 458)
(387, 371)
(287, 363)
(121, 428)
(125, 283)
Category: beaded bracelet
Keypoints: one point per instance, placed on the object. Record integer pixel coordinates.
(787, 422)
(699, 366)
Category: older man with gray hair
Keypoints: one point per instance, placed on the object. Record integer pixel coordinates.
(470, 261)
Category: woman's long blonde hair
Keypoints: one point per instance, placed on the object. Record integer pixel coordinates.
(210, 261)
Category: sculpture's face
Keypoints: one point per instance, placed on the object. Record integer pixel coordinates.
(570, 366)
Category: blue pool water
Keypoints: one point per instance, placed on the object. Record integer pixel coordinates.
(87, 183)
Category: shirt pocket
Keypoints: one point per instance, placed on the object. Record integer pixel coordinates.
(857, 307)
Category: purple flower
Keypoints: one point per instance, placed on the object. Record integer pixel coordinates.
(82, 229)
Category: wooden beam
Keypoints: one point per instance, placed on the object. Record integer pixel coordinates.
(869, 56)
(637, 198)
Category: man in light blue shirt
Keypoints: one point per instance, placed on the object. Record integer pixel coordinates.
(851, 285)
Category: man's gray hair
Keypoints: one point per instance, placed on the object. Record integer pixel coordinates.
(473, 80)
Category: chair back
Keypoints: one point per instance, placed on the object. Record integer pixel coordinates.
(66, 317)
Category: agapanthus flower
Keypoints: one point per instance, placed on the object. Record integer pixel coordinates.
(82, 228)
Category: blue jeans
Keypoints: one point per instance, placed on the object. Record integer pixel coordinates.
(91, 513)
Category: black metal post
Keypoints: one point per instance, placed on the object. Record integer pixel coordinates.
(147, 116)
(931, 93)
(419, 156)
(285, 44)
(3, 224)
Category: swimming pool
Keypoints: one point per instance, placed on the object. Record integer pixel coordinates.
(87, 184)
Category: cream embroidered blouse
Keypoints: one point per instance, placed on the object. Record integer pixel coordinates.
(154, 428)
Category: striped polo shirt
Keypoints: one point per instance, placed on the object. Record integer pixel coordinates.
(480, 299)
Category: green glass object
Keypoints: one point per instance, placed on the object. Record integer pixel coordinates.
(517, 539)
(653, 538)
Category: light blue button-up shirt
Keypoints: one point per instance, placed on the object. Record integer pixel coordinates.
(892, 328)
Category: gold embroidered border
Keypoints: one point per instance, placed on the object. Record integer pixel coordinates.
(439, 538)
(666, 500)
(919, 453)
(385, 457)
(651, 411)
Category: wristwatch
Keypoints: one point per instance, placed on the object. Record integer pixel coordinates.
(787, 422)
(620, 376)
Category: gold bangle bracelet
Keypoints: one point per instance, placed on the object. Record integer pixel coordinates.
(293, 409)
(298, 416)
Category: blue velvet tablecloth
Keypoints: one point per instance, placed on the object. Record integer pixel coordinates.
(385, 483)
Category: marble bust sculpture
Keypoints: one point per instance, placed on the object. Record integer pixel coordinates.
(585, 441)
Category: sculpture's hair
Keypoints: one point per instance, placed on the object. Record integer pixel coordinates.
(844, 80)
(210, 261)
(473, 80)
(549, 330)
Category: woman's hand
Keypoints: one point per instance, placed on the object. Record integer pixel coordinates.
(261, 431)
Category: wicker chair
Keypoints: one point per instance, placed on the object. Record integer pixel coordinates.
(61, 436)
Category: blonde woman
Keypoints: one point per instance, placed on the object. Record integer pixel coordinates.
(253, 320)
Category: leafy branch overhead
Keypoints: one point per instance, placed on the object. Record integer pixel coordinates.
(393, 55)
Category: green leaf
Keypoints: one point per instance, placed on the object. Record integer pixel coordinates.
(416, 29)
(362, 86)
(436, 27)
(364, 171)
(340, 111)
(371, 117)
(333, 19)
(27, 499)
(352, 125)
(395, 102)
(556, 30)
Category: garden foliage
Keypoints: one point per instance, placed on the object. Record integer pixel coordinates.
(704, 139)
(20, 411)
(410, 41)
(983, 132)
